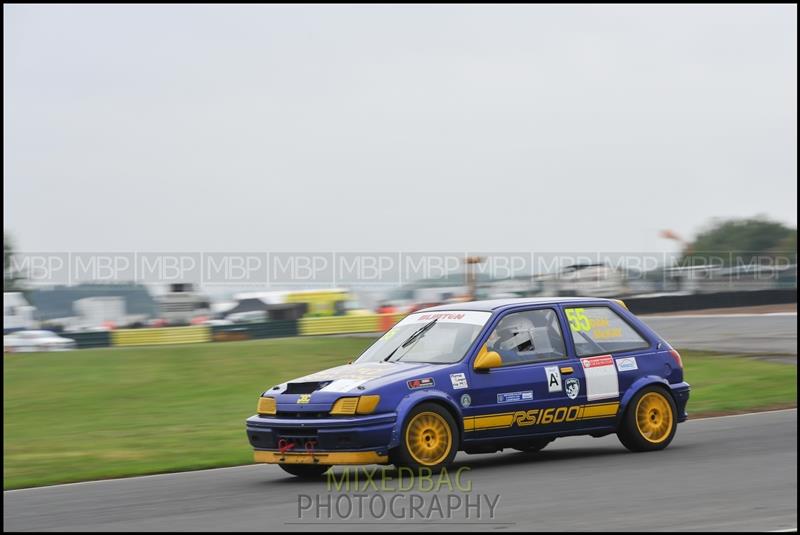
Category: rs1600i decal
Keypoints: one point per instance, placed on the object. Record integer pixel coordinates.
(551, 415)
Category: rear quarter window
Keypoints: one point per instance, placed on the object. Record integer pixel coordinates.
(598, 329)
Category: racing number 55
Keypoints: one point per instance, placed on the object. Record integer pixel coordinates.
(578, 320)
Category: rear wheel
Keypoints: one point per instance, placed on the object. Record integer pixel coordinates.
(429, 439)
(305, 471)
(534, 445)
(650, 421)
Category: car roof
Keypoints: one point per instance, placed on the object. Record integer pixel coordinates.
(491, 305)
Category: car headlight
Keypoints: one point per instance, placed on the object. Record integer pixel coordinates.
(267, 406)
(359, 405)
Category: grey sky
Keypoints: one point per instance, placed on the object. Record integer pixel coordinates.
(427, 128)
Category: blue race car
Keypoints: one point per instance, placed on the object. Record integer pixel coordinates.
(479, 377)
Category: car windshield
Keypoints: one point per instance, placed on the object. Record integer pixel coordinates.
(445, 339)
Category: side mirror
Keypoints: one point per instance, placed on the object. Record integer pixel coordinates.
(487, 360)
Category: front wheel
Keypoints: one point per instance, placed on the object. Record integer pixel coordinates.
(650, 421)
(429, 439)
(305, 471)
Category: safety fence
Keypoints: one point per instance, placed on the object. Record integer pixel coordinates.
(677, 303)
(250, 331)
(366, 323)
(87, 340)
(369, 323)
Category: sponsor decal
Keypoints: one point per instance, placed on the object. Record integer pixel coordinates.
(458, 380)
(606, 334)
(599, 328)
(553, 378)
(452, 316)
(602, 381)
(551, 415)
(466, 400)
(627, 364)
(304, 398)
(594, 362)
(413, 384)
(513, 397)
(572, 387)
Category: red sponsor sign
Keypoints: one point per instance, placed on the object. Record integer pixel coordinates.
(596, 362)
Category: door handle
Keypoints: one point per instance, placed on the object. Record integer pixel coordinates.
(566, 370)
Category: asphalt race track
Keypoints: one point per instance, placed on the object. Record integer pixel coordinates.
(728, 473)
(764, 334)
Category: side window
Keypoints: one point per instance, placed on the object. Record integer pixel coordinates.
(528, 336)
(598, 330)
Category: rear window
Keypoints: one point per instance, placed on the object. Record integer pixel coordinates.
(596, 330)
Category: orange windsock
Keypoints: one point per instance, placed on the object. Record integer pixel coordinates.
(669, 235)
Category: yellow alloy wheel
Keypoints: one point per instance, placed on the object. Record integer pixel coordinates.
(428, 438)
(654, 417)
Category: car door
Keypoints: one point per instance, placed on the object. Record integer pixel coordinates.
(610, 352)
(538, 387)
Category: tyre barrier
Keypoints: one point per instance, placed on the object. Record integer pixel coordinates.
(339, 325)
(161, 336)
(366, 323)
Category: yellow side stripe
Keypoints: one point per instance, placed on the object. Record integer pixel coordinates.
(600, 410)
(494, 420)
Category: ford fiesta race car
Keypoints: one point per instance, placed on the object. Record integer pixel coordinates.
(479, 377)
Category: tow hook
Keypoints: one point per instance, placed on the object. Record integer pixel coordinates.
(284, 446)
(309, 445)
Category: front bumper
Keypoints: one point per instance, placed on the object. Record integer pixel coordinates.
(320, 457)
(345, 440)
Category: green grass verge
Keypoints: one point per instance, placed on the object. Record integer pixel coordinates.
(115, 412)
(103, 413)
(723, 384)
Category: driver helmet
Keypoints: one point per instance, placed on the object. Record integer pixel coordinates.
(515, 333)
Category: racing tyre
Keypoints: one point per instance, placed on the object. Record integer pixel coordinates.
(429, 439)
(305, 471)
(534, 445)
(650, 420)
